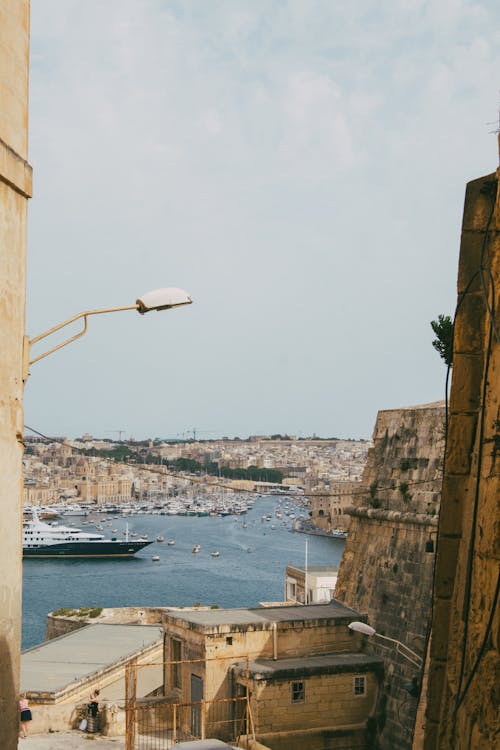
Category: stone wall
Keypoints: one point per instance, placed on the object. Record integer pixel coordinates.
(387, 566)
(57, 625)
(463, 686)
(15, 189)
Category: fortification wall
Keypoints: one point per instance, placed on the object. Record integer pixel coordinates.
(387, 566)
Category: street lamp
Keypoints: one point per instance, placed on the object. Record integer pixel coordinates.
(159, 299)
(405, 651)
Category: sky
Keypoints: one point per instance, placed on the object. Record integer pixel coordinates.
(298, 166)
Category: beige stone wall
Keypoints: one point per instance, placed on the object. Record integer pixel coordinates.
(463, 689)
(404, 469)
(15, 188)
(387, 566)
(329, 702)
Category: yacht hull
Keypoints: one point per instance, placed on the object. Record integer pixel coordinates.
(105, 548)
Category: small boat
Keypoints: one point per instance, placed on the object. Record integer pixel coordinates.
(143, 536)
(171, 541)
(160, 538)
(196, 548)
(216, 553)
(155, 558)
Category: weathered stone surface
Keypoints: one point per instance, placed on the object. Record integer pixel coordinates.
(467, 572)
(15, 186)
(459, 453)
(468, 323)
(467, 377)
(387, 566)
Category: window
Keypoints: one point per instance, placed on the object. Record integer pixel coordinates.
(229, 640)
(176, 655)
(359, 686)
(298, 692)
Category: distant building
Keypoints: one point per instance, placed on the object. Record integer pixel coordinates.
(329, 504)
(319, 580)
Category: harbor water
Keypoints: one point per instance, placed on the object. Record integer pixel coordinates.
(250, 568)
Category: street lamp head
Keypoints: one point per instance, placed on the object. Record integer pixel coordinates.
(163, 299)
(362, 627)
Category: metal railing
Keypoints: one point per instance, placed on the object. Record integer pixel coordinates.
(159, 722)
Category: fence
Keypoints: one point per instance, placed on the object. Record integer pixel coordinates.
(181, 712)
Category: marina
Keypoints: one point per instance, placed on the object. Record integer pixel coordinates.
(250, 567)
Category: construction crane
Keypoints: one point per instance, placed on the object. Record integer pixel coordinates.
(117, 432)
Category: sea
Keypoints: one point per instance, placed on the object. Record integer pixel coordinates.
(254, 553)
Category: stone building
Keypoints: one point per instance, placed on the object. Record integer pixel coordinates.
(387, 567)
(310, 684)
(329, 507)
(15, 190)
(461, 706)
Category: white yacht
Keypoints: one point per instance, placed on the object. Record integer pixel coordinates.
(45, 540)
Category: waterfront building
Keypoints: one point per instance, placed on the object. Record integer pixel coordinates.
(305, 671)
(318, 580)
(330, 501)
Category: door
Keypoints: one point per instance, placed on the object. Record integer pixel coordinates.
(196, 698)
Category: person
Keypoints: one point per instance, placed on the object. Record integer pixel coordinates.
(25, 714)
(93, 710)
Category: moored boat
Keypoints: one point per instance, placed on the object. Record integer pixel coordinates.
(45, 540)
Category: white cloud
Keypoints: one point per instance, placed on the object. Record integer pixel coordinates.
(259, 154)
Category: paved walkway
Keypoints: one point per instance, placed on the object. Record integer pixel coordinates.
(71, 741)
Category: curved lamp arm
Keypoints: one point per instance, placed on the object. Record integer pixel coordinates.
(65, 323)
(160, 299)
(405, 651)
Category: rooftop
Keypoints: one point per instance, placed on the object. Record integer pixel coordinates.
(315, 569)
(264, 616)
(308, 665)
(61, 662)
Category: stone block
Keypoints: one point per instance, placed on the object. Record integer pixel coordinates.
(461, 436)
(455, 490)
(467, 378)
(440, 629)
(469, 324)
(447, 554)
(435, 688)
(471, 244)
(477, 204)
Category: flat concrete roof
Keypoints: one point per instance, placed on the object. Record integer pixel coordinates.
(315, 569)
(265, 615)
(56, 664)
(309, 665)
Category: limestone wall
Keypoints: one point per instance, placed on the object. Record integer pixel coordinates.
(329, 702)
(463, 687)
(15, 189)
(57, 625)
(387, 566)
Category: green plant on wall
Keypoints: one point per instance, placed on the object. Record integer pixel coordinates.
(443, 343)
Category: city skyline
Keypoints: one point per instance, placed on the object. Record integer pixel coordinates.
(299, 168)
